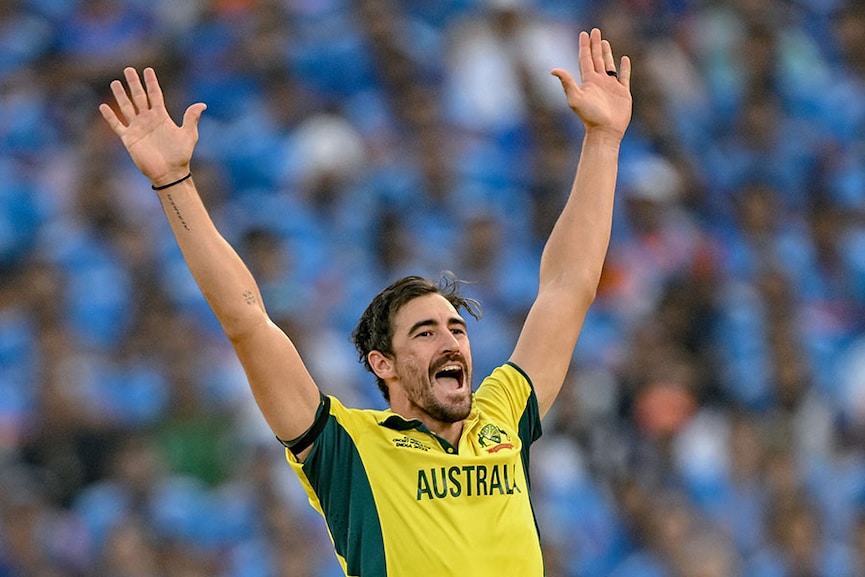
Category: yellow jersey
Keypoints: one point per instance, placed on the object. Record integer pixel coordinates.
(399, 501)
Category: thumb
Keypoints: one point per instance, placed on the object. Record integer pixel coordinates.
(193, 115)
(565, 78)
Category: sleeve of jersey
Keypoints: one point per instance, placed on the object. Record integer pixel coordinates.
(508, 392)
(334, 478)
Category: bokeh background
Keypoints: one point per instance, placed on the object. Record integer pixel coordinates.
(713, 420)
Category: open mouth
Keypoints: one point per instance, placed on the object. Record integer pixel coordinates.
(451, 375)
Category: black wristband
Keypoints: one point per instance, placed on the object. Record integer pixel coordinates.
(170, 184)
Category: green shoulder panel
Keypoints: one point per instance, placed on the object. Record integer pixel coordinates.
(338, 477)
(530, 422)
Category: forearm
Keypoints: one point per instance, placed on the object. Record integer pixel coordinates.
(574, 254)
(221, 275)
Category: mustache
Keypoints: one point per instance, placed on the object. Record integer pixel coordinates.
(448, 359)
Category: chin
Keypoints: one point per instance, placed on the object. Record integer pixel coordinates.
(451, 412)
(462, 409)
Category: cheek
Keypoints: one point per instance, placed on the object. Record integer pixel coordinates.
(413, 366)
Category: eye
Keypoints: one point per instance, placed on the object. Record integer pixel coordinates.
(458, 331)
(423, 334)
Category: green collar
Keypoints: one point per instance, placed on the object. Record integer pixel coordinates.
(398, 423)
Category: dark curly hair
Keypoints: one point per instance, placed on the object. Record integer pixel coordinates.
(374, 330)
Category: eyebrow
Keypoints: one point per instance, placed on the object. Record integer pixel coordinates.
(431, 323)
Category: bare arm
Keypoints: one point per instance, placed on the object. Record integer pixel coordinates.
(574, 255)
(281, 384)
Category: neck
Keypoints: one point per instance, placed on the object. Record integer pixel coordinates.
(448, 430)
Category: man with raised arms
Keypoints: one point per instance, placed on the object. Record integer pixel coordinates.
(438, 484)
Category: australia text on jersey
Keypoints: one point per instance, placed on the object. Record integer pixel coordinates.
(467, 480)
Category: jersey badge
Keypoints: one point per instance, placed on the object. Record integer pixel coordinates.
(493, 437)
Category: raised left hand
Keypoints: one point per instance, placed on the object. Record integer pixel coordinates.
(603, 100)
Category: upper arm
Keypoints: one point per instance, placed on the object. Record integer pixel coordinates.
(281, 384)
(546, 343)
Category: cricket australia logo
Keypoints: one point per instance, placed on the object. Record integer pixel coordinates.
(492, 436)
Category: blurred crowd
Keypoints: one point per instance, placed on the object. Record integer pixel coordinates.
(713, 421)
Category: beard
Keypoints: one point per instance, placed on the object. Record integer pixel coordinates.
(447, 411)
(424, 393)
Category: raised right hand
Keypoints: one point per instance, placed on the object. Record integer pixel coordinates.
(159, 148)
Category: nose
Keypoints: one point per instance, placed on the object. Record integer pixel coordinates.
(450, 342)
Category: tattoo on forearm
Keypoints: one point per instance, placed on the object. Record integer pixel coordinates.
(249, 297)
(177, 211)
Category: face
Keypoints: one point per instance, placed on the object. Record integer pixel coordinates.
(431, 362)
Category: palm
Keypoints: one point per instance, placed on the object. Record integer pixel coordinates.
(158, 147)
(600, 107)
(155, 143)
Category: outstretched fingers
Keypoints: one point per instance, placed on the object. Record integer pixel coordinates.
(587, 66)
(625, 72)
(597, 50)
(127, 109)
(154, 91)
(138, 99)
(110, 117)
(136, 90)
(607, 56)
(596, 55)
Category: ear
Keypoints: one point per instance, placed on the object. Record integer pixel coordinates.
(382, 365)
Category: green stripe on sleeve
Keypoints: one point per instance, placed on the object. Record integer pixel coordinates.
(338, 477)
(529, 428)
